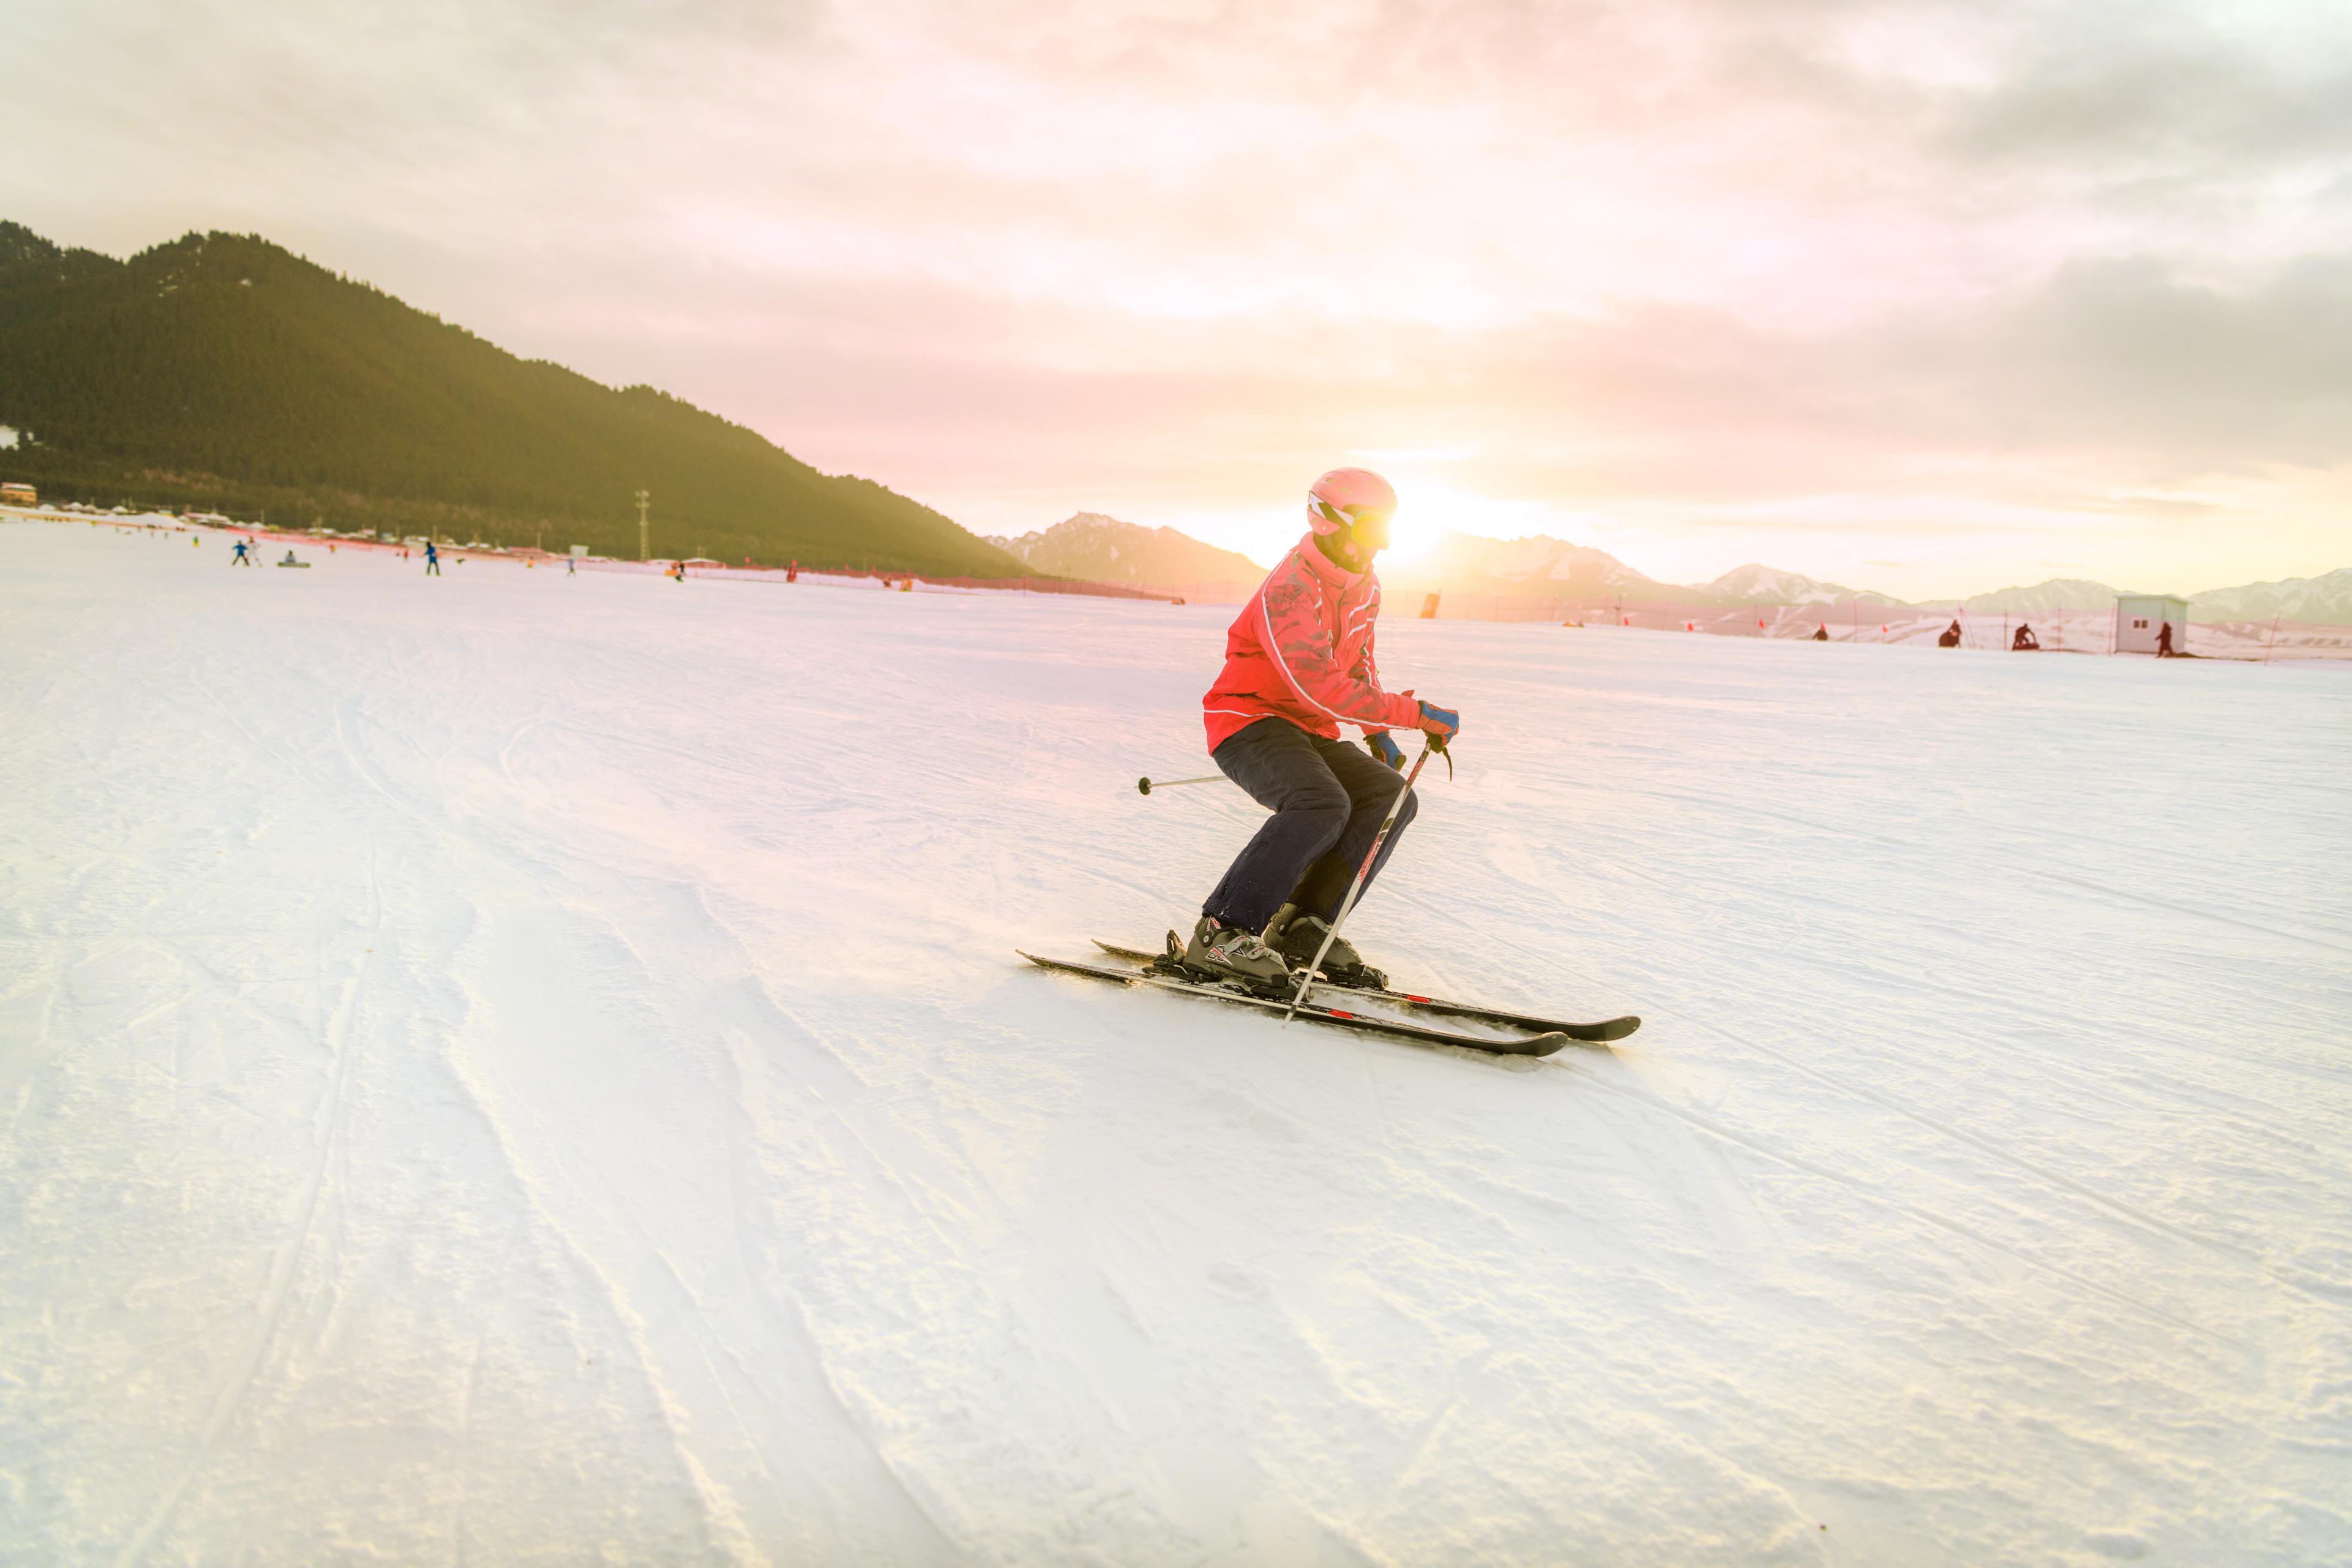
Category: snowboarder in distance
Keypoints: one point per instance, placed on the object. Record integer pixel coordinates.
(1299, 663)
(1822, 632)
(2024, 641)
(2164, 639)
(572, 566)
(431, 560)
(243, 559)
(1951, 637)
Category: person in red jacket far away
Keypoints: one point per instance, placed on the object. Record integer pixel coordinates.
(1298, 664)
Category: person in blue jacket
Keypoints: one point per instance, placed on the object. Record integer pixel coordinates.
(431, 560)
(241, 558)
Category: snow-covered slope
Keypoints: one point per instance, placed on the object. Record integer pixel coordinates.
(521, 1067)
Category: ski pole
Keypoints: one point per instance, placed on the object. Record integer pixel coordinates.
(1145, 786)
(1307, 975)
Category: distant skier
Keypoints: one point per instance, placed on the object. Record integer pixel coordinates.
(2024, 641)
(1951, 637)
(241, 558)
(1299, 663)
(2164, 639)
(572, 566)
(1822, 632)
(431, 560)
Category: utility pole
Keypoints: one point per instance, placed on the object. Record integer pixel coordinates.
(642, 502)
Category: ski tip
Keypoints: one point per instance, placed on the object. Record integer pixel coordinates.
(1618, 1029)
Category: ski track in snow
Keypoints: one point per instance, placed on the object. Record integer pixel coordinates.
(516, 1067)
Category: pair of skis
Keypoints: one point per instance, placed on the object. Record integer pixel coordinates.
(1373, 1010)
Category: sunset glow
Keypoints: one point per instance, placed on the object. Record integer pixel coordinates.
(1966, 288)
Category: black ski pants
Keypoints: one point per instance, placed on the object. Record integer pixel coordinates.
(1328, 798)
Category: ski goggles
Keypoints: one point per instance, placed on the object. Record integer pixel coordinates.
(1346, 516)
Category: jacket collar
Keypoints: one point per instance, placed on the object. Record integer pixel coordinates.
(1328, 570)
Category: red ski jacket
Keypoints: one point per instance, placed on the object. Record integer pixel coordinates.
(1301, 649)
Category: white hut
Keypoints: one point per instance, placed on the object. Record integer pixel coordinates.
(2140, 619)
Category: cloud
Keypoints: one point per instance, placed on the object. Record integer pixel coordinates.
(1692, 262)
(2164, 85)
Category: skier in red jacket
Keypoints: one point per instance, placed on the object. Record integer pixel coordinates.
(1298, 664)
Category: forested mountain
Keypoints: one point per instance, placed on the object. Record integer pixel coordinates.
(223, 372)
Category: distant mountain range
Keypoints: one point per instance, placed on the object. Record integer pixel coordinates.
(1101, 549)
(2058, 594)
(1535, 567)
(221, 371)
(2322, 601)
(1769, 586)
(1540, 567)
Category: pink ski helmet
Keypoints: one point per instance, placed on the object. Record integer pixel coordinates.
(1333, 501)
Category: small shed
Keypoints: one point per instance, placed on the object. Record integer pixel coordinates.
(2140, 620)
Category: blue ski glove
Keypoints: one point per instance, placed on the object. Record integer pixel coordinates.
(1443, 723)
(1383, 744)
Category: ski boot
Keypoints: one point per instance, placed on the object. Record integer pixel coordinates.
(1220, 952)
(1296, 936)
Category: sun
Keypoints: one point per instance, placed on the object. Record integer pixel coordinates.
(1413, 532)
(1428, 509)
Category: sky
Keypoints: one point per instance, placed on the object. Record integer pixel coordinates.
(1920, 296)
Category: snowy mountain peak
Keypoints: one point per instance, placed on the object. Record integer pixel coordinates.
(1103, 549)
(2057, 593)
(2326, 600)
(1759, 585)
(1537, 563)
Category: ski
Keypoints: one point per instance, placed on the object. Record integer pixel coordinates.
(1541, 1044)
(1599, 1033)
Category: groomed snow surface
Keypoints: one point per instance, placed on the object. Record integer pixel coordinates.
(521, 1068)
